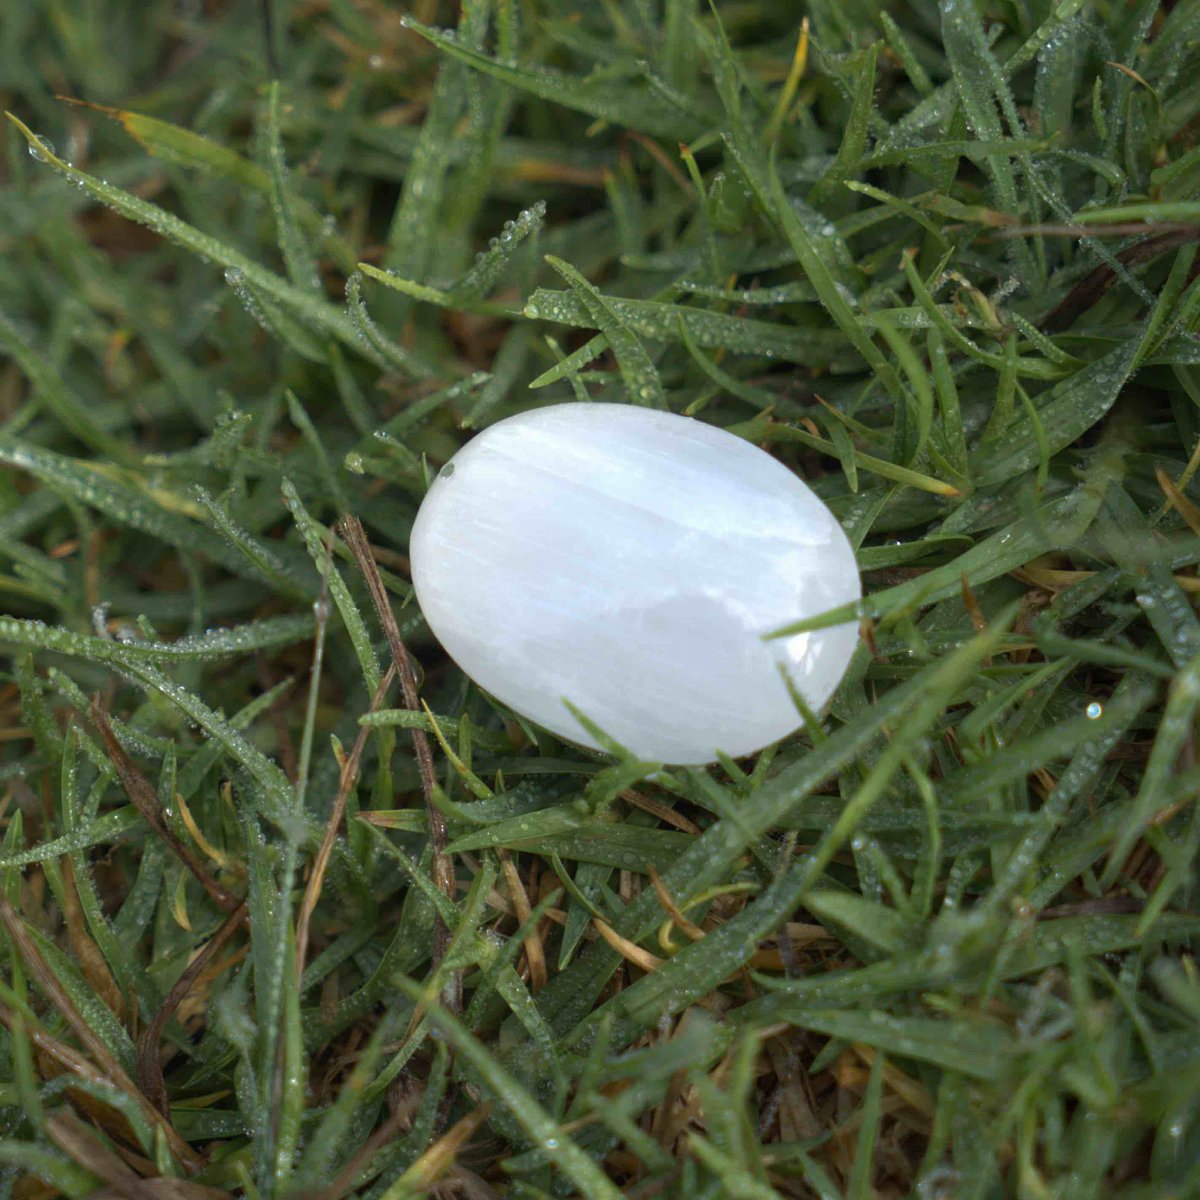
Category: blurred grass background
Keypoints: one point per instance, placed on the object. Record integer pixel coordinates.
(272, 929)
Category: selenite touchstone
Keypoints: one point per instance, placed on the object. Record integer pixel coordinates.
(630, 561)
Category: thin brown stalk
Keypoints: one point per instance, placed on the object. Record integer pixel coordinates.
(149, 1068)
(662, 811)
(144, 798)
(24, 945)
(66, 1056)
(345, 783)
(31, 955)
(345, 1179)
(1108, 229)
(443, 867)
(1092, 288)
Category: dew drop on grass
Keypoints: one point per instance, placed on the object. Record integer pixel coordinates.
(100, 620)
(939, 1184)
(41, 149)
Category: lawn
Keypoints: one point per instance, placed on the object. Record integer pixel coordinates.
(289, 908)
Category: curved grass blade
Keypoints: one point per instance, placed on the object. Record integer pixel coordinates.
(617, 102)
(638, 372)
(313, 311)
(33, 635)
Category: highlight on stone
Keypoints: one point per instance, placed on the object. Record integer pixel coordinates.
(631, 561)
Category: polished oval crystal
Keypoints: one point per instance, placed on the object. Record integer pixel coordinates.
(630, 561)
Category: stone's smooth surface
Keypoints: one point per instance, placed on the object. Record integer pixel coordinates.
(630, 561)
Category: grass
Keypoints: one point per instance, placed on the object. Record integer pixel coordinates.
(289, 908)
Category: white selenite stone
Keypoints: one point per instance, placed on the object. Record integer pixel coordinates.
(630, 561)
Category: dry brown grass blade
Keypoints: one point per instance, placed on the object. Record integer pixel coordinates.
(974, 611)
(660, 156)
(24, 945)
(662, 811)
(144, 798)
(912, 1091)
(627, 949)
(470, 1186)
(91, 961)
(31, 955)
(346, 780)
(82, 1146)
(73, 1137)
(1092, 288)
(971, 604)
(163, 1188)
(51, 1048)
(396, 1123)
(149, 1069)
(439, 1158)
(1055, 580)
(673, 910)
(535, 955)
(1178, 501)
(443, 868)
(54, 1059)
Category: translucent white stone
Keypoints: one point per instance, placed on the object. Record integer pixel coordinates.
(630, 561)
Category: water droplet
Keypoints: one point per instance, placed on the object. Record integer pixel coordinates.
(551, 1143)
(375, 62)
(41, 149)
(1094, 711)
(939, 1184)
(100, 619)
(446, 471)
